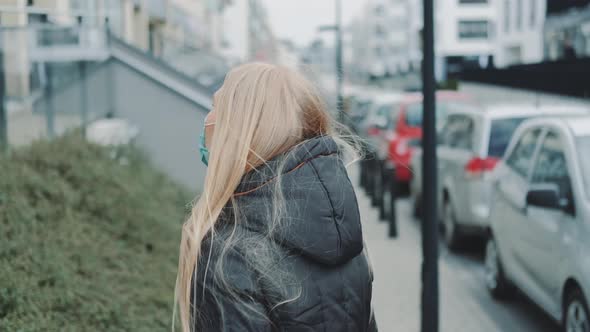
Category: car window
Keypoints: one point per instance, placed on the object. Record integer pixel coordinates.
(501, 131)
(551, 166)
(521, 157)
(583, 152)
(414, 113)
(458, 132)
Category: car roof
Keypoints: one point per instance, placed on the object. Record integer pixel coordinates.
(388, 97)
(580, 126)
(500, 111)
(441, 95)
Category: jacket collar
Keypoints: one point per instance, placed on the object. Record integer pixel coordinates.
(293, 159)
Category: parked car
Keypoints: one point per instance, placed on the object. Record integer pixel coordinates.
(540, 221)
(404, 133)
(378, 120)
(372, 128)
(470, 144)
(360, 104)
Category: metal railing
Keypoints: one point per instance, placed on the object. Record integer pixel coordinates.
(46, 87)
(54, 80)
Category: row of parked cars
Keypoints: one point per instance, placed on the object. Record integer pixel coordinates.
(515, 176)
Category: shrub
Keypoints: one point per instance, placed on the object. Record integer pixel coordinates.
(88, 242)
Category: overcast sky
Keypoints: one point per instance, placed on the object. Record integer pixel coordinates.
(298, 20)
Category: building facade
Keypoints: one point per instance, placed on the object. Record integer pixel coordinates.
(247, 34)
(383, 38)
(163, 28)
(468, 34)
(567, 32)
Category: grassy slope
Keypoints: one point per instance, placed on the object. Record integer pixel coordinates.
(86, 242)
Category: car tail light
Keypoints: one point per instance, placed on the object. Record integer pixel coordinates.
(478, 166)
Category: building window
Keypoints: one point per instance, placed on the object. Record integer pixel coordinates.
(518, 14)
(30, 2)
(473, 29)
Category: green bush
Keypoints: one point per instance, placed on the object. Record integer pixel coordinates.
(88, 242)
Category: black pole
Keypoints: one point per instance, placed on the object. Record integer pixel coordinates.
(430, 299)
(3, 120)
(339, 69)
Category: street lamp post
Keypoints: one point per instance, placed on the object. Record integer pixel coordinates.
(430, 291)
(339, 69)
(337, 28)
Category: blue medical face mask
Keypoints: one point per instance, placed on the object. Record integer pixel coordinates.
(203, 149)
(202, 146)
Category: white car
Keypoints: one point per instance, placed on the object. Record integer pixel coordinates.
(540, 222)
(470, 144)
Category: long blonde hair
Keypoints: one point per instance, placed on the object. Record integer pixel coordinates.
(262, 110)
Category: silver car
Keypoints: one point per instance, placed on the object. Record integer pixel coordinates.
(540, 221)
(471, 142)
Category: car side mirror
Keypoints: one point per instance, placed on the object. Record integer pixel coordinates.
(545, 196)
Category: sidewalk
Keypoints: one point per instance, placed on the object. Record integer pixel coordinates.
(397, 285)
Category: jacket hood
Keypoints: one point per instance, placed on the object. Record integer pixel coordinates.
(321, 219)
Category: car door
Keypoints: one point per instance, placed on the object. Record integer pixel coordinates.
(510, 218)
(546, 227)
(458, 152)
(444, 151)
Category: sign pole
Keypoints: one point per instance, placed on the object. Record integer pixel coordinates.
(430, 289)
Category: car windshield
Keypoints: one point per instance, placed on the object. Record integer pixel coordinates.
(500, 135)
(584, 154)
(414, 113)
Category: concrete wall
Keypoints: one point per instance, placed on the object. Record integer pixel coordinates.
(68, 99)
(169, 124)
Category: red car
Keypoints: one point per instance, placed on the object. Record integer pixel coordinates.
(407, 130)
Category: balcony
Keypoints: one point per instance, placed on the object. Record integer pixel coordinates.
(65, 44)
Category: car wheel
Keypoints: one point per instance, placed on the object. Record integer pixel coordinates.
(451, 231)
(496, 281)
(576, 314)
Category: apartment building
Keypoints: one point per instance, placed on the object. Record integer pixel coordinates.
(468, 34)
(247, 34)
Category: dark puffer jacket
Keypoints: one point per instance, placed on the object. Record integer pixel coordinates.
(310, 273)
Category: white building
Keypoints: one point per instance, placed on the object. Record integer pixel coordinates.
(520, 32)
(247, 34)
(383, 39)
(468, 33)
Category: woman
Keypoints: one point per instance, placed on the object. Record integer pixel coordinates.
(275, 242)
